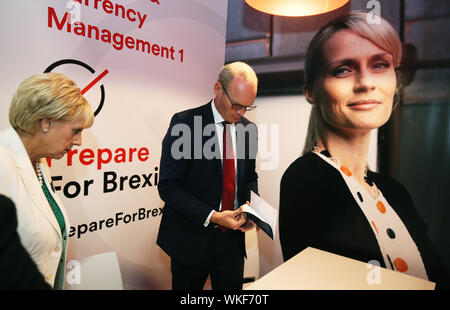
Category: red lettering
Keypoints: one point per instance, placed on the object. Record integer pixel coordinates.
(69, 156)
(120, 8)
(108, 7)
(104, 156)
(96, 4)
(52, 16)
(87, 157)
(129, 42)
(144, 45)
(117, 40)
(155, 49)
(80, 29)
(121, 156)
(100, 159)
(132, 150)
(128, 15)
(143, 154)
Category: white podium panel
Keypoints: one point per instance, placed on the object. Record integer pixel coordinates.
(314, 269)
(97, 272)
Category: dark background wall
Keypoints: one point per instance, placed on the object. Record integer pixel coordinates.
(422, 156)
(414, 147)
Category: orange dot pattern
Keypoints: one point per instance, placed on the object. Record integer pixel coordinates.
(400, 265)
(374, 226)
(346, 171)
(381, 207)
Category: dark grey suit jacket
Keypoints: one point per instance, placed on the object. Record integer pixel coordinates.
(191, 186)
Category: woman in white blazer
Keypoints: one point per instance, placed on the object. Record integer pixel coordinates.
(47, 115)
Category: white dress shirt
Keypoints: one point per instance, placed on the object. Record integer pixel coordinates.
(218, 119)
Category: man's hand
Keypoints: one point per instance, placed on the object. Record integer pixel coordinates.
(229, 219)
(248, 225)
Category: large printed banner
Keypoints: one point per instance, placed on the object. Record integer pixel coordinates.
(138, 62)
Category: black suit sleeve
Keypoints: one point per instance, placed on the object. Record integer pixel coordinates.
(251, 150)
(252, 179)
(172, 179)
(17, 269)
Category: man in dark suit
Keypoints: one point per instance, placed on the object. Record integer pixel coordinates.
(206, 173)
(17, 269)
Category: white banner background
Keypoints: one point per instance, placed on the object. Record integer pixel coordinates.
(141, 91)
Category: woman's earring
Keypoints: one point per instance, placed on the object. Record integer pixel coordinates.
(45, 130)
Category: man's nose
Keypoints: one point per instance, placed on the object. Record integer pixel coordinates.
(241, 111)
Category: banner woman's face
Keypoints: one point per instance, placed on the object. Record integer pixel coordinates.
(357, 83)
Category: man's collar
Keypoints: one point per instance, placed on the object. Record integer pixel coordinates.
(217, 117)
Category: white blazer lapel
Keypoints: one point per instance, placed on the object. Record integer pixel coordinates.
(47, 179)
(26, 171)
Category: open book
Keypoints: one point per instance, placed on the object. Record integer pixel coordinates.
(262, 214)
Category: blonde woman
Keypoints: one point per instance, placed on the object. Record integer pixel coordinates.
(47, 115)
(328, 198)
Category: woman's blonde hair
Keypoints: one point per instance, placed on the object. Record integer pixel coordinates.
(47, 95)
(380, 32)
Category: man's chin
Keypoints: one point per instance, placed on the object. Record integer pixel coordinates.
(233, 120)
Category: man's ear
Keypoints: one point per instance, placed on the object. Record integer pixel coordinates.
(217, 88)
